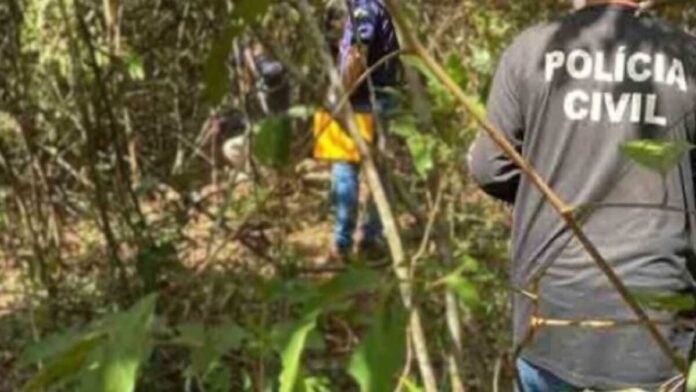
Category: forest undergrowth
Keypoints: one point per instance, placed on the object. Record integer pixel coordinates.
(133, 258)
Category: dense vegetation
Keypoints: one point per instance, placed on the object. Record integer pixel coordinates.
(132, 257)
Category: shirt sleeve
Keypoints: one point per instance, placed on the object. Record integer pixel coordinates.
(344, 46)
(494, 172)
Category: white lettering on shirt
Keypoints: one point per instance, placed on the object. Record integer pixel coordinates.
(610, 68)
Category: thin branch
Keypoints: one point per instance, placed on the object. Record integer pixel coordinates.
(591, 324)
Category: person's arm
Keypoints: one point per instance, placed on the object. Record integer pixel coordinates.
(494, 172)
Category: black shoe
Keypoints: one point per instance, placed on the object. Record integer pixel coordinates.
(373, 253)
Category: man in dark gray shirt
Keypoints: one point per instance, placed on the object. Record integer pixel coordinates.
(568, 95)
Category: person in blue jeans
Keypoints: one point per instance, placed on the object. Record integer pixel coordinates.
(369, 32)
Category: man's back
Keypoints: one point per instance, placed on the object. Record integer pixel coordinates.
(569, 94)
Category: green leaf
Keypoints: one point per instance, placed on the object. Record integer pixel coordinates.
(215, 69)
(294, 291)
(422, 147)
(128, 346)
(315, 341)
(353, 281)
(271, 145)
(482, 60)
(296, 337)
(50, 347)
(455, 67)
(377, 362)
(67, 364)
(405, 126)
(291, 355)
(465, 289)
(301, 112)
(219, 380)
(462, 286)
(203, 360)
(191, 334)
(670, 302)
(412, 386)
(228, 336)
(443, 98)
(468, 264)
(136, 69)
(314, 384)
(691, 380)
(417, 63)
(209, 345)
(656, 155)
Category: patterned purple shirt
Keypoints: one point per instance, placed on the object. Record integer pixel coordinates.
(374, 29)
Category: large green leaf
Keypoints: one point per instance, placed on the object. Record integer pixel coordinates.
(128, 346)
(209, 344)
(67, 363)
(291, 355)
(203, 355)
(219, 380)
(50, 347)
(295, 337)
(215, 71)
(107, 358)
(377, 362)
(227, 336)
(272, 141)
(656, 155)
(422, 147)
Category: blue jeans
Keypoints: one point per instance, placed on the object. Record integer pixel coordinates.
(346, 191)
(535, 379)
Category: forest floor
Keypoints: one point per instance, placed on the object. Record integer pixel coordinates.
(295, 221)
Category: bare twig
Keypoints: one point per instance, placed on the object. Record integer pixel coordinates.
(407, 365)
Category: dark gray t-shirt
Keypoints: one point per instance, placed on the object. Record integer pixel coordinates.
(568, 94)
